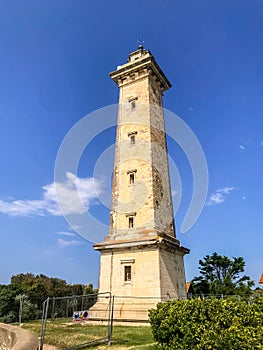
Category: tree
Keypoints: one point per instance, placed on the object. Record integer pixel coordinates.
(221, 275)
(8, 307)
(32, 290)
(89, 289)
(23, 281)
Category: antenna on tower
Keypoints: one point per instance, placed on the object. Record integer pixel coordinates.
(140, 42)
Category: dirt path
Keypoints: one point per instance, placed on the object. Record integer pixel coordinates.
(103, 347)
(116, 347)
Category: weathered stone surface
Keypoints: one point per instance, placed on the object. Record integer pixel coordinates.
(141, 234)
(15, 338)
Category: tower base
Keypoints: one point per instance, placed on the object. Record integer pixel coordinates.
(132, 310)
(139, 274)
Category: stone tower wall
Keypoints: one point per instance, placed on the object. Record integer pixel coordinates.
(148, 199)
(140, 256)
(144, 264)
(172, 275)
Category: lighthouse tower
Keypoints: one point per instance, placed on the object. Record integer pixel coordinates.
(142, 262)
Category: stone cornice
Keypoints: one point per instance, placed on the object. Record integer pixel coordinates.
(132, 67)
(164, 242)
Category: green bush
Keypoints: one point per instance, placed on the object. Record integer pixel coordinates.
(9, 318)
(208, 324)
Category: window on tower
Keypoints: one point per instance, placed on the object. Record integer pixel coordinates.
(131, 222)
(131, 174)
(130, 217)
(126, 270)
(132, 178)
(133, 105)
(132, 136)
(132, 102)
(127, 273)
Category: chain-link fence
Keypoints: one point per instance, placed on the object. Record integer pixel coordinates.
(81, 309)
(136, 309)
(25, 308)
(61, 316)
(249, 298)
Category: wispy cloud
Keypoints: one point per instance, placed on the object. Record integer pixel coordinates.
(76, 195)
(261, 143)
(62, 243)
(219, 195)
(216, 198)
(242, 147)
(66, 233)
(226, 190)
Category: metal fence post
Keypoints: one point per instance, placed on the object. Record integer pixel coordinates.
(53, 309)
(44, 321)
(111, 319)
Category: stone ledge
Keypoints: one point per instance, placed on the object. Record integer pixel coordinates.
(15, 338)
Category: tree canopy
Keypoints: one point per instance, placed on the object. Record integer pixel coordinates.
(34, 289)
(222, 275)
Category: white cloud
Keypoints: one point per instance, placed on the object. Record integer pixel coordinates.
(216, 198)
(226, 190)
(66, 233)
(75, 197)
(23, 207)
(242, 147)
(64, 244)
(261, 143)
(219, 195)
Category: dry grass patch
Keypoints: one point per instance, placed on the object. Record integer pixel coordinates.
(64, 333)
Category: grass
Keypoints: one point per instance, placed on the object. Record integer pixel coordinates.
(63, 333)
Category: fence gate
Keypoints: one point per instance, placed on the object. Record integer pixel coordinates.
(68, 312)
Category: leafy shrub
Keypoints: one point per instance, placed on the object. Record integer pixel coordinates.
(9, 318)
(30, 311)
(208, 324)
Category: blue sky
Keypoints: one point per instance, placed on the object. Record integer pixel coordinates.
(55, 57)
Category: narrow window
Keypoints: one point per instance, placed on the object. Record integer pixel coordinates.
(132, 136)
(132, 140)
(132, 102)
(131, 178)
(133, 105)
(131, 222)
(127, 273)
(131, 174)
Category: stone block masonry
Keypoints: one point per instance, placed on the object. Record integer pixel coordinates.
(140, 256)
